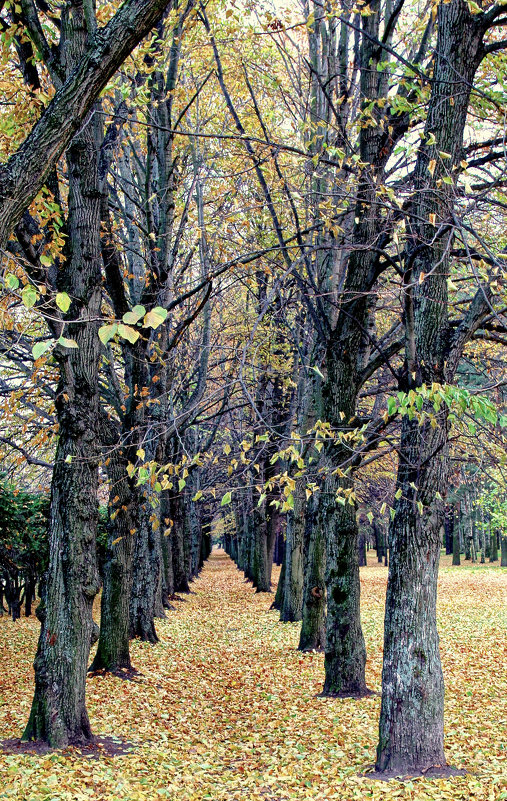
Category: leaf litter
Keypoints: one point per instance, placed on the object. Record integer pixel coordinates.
(227, 708)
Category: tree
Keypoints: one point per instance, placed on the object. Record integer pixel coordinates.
(23, 545)
(411, 720)
(58, 713)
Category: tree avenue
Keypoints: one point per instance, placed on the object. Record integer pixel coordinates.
(252, 296)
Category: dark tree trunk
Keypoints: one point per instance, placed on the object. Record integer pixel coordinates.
(362, 549)
(278, 602)
(347, 355)
(196, 536)
(493, 548)
(113, 652)
(206, 545)
(292, 602)
(279, 553)
(178, 547)
(379, 541)
(345, 653)
(313, 626)
(240, 536)
(456, 558)
(167, 550)
(58, 714)
(261, 573)
(16, 607)
(248, 528)
(449, 528)
(146, 575)
(503, 546)
(29, 593)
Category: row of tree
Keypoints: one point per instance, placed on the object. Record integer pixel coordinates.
(267, 276)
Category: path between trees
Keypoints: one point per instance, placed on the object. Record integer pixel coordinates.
(227, 708)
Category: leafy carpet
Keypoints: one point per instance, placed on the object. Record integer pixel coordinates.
(227, 708)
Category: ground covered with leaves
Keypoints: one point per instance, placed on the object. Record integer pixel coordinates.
(227, 708)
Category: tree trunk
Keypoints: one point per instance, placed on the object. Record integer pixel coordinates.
(280, 588)
(261, 574)
(166, 546)
(362, 548)
(178, 547)
(411, 722)
(58, 715)
(113, 652)
(456, 559)
(29, 593)
(411, 719)
(313, 626)
(292, 605)
(345, 654)
(146, 574)
(449, 528)
(493, 548)
(379, 541)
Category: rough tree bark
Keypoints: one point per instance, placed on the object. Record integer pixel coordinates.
(58, 713)
(313, 625)
(113, 652)
(411, 719)
(292, 599)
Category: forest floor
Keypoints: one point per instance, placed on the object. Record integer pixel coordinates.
(227, 708)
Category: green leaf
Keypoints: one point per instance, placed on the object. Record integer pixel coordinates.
(63, 301)
(490, 414)
(29, 296)
(11, 282)
(39, 348)
(226, 499)
(46, 261)
(132, 317)
(107, 332)
(128, 333)
(181, 484)
(67, 343)
(197, 495)
(391, 406)
(398, 494)
(155, 317)
(143, 476)
(316, 369)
